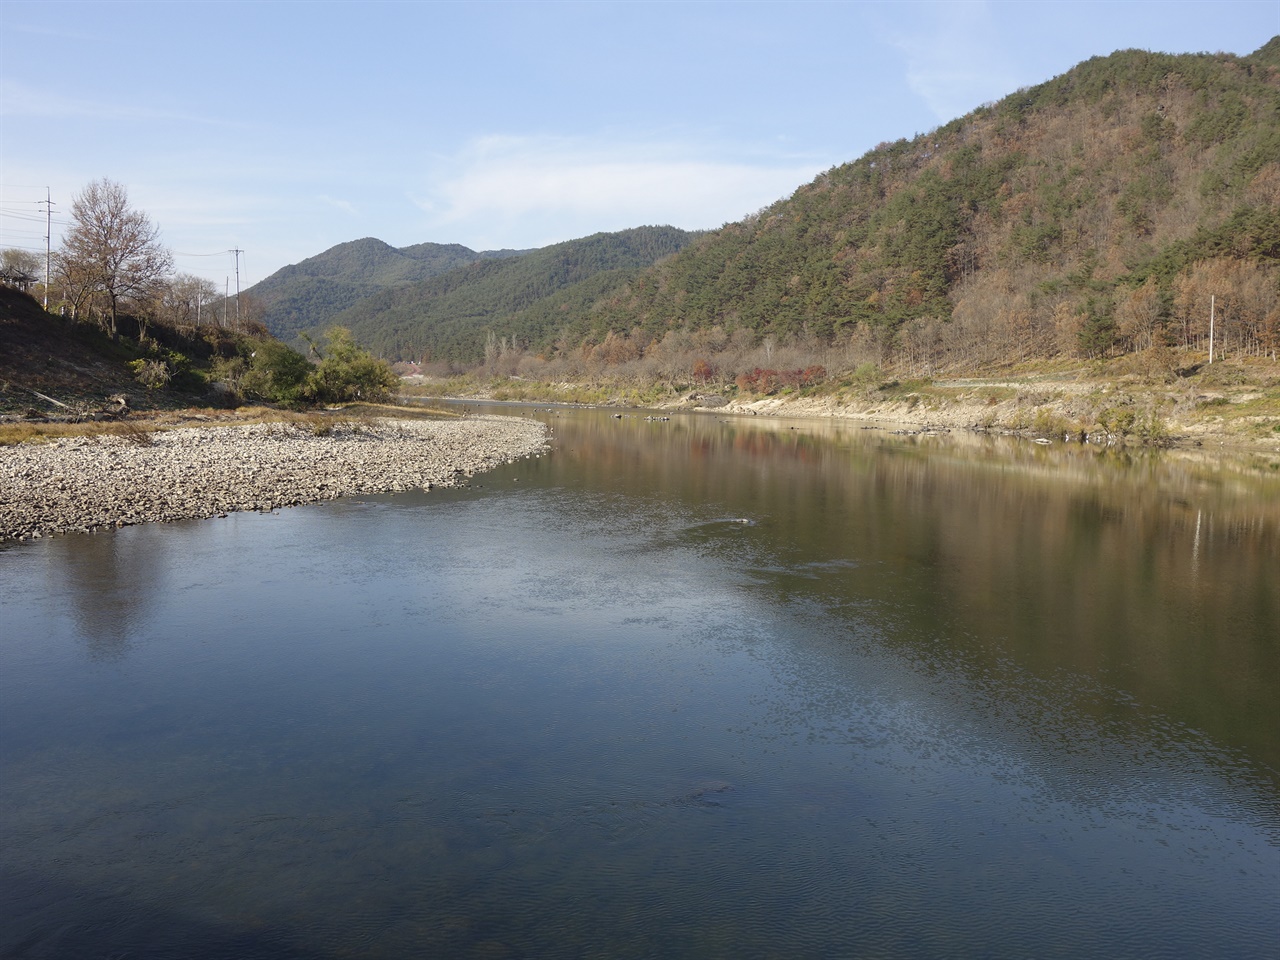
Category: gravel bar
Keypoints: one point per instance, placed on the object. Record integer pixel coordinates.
(79, 484)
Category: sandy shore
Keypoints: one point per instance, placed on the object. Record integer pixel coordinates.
(85, 483)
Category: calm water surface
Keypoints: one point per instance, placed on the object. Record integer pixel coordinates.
(936, 697)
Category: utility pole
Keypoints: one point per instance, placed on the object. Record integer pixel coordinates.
(237, 252)
(48, 233)
(1211, 296)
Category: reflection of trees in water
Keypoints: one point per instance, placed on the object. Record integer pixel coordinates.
(1154, 570)
(110, 580)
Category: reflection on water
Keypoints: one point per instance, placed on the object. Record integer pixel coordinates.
(1156, 575)
(935, 696)
(110, 582)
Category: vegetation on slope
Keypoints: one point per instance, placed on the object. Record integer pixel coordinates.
(522, 298)
(307, 295)
(1105, 212)
(1090, 215)
(1081, 233)
(53, 366)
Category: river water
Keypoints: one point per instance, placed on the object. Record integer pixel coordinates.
(696, 687)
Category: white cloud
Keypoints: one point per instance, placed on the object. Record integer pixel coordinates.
(535, 190)
(346, 206)
(955, 63)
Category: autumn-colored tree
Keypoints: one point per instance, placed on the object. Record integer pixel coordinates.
(703, 370)
(1067, 325)
(1138, 315)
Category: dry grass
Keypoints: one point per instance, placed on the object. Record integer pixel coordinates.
(41, 432)
(138, 428)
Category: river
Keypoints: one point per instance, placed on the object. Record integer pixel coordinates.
(688, 687)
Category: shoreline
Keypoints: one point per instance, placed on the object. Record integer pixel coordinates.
(1054, 412)
(83, 484)
(1054, 420)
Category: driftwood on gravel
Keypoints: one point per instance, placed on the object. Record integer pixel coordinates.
(84, 483)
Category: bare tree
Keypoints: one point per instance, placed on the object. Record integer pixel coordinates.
(186, 301)
(1138, 315)
(115, 248)
(22, 261)
(77, 288)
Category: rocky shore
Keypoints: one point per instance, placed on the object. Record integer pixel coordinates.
(84, 483)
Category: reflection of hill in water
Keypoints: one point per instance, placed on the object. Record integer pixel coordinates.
(1155, 570)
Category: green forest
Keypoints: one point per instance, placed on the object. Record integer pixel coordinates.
(307, 295)
(450, 317)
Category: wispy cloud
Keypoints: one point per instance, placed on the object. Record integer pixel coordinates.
(543, 189)
(954, 58)
(346, 206)
(19, 99)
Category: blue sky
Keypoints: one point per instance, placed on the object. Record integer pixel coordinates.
(284, 128)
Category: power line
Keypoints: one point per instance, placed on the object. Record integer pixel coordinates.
(32, 217)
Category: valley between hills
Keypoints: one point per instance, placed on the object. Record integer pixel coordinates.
(1094, 257)
(1098, 254)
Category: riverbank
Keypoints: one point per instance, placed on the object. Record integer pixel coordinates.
(1234, 404)
(1048, 411)
(79, 484)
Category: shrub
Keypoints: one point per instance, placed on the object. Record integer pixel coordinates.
(276, 373)
(348, 372)
(152, 374)
(771, 381)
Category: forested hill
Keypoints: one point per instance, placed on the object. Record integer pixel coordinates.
(308, 294)
(1094, 213)
(527, 297)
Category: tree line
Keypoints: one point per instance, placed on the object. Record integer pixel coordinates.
(112, 267)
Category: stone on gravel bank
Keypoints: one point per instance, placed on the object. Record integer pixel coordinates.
(84, 483)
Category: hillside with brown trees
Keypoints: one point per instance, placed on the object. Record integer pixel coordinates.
(1105, 212)
(1094, 215)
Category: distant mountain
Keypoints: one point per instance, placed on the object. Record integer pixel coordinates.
(307, 295)
(527, 297)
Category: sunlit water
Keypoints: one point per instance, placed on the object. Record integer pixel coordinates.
(933, 698)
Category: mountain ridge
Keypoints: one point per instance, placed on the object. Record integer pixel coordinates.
(1095, 212)
(305, 295)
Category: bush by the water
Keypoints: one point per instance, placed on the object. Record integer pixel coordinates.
(344, 372)
(347, 372)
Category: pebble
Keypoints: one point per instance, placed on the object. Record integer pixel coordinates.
(78, 484)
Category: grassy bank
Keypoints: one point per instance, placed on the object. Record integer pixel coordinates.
(1138, 400)
(139, 426)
